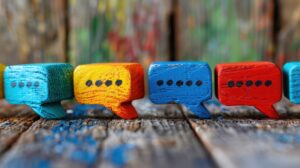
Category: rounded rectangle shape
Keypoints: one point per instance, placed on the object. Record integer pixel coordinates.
(291, 76)
(256, 84)
(2, 67)
(188, 83)
(25, 84)
(113, 85)
(40, 86)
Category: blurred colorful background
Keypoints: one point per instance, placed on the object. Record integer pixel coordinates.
(86, 31)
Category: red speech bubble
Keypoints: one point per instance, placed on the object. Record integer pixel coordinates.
(257, 84)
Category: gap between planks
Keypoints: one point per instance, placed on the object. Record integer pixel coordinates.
(200, 140)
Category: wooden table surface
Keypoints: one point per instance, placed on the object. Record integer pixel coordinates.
(163, 136)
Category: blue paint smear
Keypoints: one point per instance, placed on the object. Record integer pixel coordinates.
(68, 135)
(21, 162)
(82, 110)
(119, 155)
(283, 138)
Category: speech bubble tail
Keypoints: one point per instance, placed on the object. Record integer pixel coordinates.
(125, 111)
(269, 111)
(49, 110)
(199, 110)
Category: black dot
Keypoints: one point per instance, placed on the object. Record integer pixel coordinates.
(29, 84)
(249, 83)
(13, 84)
(268, 83)
(179, 83)
(258, 83)
(98, 83)
(169, 82)
(160, 82)
(88, 83)
(189, 83)
(108, 82)
(239, 83)
(21, 84)
(230, 83)
(199, 83)
(118, 82)
(36, 84)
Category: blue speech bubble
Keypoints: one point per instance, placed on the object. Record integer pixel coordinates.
(40, 86)
(291, 75)
(188, 83)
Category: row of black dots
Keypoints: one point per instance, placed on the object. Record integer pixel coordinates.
(179, 83)
(98, 83)
(22, 84)
(249, 83)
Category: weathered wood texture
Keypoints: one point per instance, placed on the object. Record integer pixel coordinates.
(152, 143)
(2, 67)
(75, 143)
(32, 31)
(14, 120)
(128, 30)
(288, 47)
(40, 86)
(251, 143)
(224, 31)
(108, 143)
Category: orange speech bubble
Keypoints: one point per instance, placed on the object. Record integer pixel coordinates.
(113, 85)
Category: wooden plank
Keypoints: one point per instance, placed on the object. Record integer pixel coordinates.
(105, 142)
(32, 31)
(289, 32)
(123, 31)
(14, 120)
(251, 143)
(54, 143)
(152, 143)
(89, 142)
(225, 31)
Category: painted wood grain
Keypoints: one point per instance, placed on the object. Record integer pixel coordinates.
(14, 120)
(32, 31)
(257, 84)
(2, 67)
(123, 31)
(225, 31)
(108, 143)
(49, 143)
(291, 72)
(40, 86)
(113, 85)
(152, 143)
(188, 83)
(250, 143)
